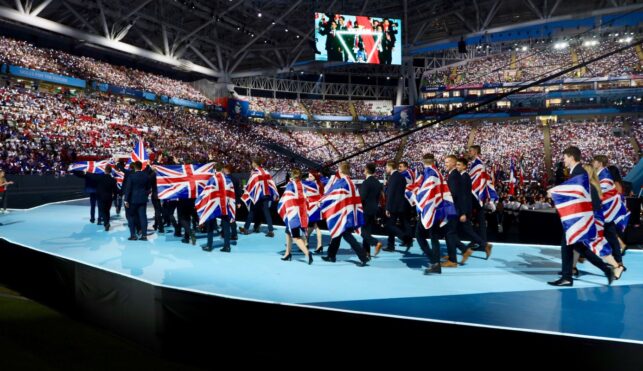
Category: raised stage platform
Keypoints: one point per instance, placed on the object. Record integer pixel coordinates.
(508, 291)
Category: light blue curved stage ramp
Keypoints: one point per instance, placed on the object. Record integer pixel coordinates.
(507, 291)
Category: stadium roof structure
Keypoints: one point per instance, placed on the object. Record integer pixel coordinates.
(236, 38)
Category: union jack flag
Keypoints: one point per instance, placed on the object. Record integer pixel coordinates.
(599, 245)
(433, 200)
(139, 154)
(259, 185)
(573, 202)
(119, 176)
(94, 167)
(481, 183)
(613, 203)
(341, 205)
(512, 179)
(217, 199)
(182, 181)
(314, 194)
(410, 177)
(293, 206)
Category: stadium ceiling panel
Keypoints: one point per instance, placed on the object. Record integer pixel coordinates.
(245, 37)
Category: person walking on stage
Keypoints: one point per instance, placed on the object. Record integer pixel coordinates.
(3, 191)
(217, 200)
(397, 208)
(293, 209)
(238, 192)
(342, 209)
(135, 195)
(106, 192)
(371, 192)
(261, 190)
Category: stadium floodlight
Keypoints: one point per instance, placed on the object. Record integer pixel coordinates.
(524, 48)
(625, 40)
(561, 45)
(590, 43)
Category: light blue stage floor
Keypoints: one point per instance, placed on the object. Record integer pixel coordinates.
(508, 291)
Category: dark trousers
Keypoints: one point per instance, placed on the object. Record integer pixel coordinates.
(348, 237)
(611, 235)
(481, 218)
(92, 207)
(138, 217)
(467, 231)
(168, 213)
(567, 256)
(395, 231)
(421, 234)
(253, 215)
(225, 230)
(185, 208)
(451, 237)
(367, 232)
(233, 230)
(118, 203)
(3, 195)
(104, 206)
(158, 214)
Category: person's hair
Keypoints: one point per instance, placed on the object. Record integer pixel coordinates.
(218, 166)
(602, 159)
(345, 168)
(615, 172)
(463, 161)
(391, 163)
(228, 167)
(404, 163)
(138, 165)
(428, 159)
(108, 169)
(451, 157)
(370, 168)
(295, 174)
(573, 152)
(593, 178)
(258, 161)
(476, 148)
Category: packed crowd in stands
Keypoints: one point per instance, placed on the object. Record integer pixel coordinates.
(521, 140)
(373, 107)
(539, 61)
(442, 140)
(593, 138)
(288, 106)
(24, 54)
(328, 107)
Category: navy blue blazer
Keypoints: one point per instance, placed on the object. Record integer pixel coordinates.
(137, 188)
(395, 188)
(454, 181)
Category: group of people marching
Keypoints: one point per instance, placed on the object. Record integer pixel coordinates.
(592, 212)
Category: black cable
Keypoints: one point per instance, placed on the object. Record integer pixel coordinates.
(486, 102)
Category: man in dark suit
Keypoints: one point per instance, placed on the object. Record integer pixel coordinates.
(454, 181)
(156, 202)
(370, 191)
(571, 158)
(136, 194)
(396, 208)
(238, 192)
(90, 190)
(106, 192)
(466, 228)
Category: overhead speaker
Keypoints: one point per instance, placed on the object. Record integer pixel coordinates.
(462, 47)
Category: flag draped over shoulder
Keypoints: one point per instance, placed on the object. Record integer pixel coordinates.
(182, 181)
(341, 205)
(573, 202)
(139, 153)
(314, 192)
(432, 198)
(481, 183)
(293, 206)
(259, 185)
(612, 203)
(217, 199)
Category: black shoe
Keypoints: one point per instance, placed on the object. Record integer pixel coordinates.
(328, 259)
(235, 238)
(609, 273)
(310, 258)
(143, 238)
(161, 230)
(287, 257)
(177, 235)
(575, 272)
(185, 240)
(91, 220)
(434, 268)
(99, 223)
(319, 250)
(362, 263)
(132, 238)
(561, 282)
(270, 234)
(107, 227)
(225, 249)
(206, 248)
